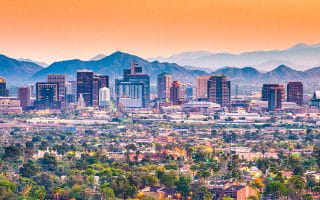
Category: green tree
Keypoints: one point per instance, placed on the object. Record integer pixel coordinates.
(200, 192)
(107, 192)
(12, 152)
(7, 190)
(276, 190)
(296, 186)
(29, 169)
(167, 179)
(48, 162)
(183, 186)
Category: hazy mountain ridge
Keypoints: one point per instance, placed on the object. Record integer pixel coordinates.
(299, 56)
(42, 64)
(15, 71)
(113, 66)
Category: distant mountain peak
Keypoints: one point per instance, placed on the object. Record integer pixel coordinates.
(299, 46)
(283, 68)
(98, 57)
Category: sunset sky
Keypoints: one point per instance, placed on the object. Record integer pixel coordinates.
(52, 30)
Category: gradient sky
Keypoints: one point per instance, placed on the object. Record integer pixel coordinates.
(51, 30)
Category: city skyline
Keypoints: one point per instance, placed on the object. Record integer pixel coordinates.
(59, 30)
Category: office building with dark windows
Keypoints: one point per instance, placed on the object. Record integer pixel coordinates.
(61, 80)
(47, 96)
(219, 90)
(85, 86)
(176, 93)
(275, 94)
(265, 93)
(295, 92)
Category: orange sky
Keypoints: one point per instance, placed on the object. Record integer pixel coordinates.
(49, 30)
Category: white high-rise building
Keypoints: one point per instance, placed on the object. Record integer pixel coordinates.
(104, 96)
(68, 88)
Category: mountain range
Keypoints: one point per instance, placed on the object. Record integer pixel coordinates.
(300, 56)
(16, 71)
(113, 66)
(20, 72)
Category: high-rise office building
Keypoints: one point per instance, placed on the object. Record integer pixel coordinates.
(4, 92)
(60, 79)
(99, 81)
(133, 91)
(104, 96)
(176, 95)
(68, 88)
(189, 92)
(85, 86)
(265, 93)
(275, 98)
(24, 97)
(164, 82)
(202, 87)
(295, 92)
(32, 90)
(73, 87)
(47, 96)
(219, 90)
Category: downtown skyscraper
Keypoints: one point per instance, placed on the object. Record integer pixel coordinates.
(88, 85)
(219, 90)
(47, 96)
(164, 81)
(295, 92)
(85, 86)
(60, 79)
(133, 90)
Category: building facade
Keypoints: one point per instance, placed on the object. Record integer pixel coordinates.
(164, 82)
(104, 97)
(175, 93)
(85, 86)
(4, 92)
(99, 81)
(202, 87)
(275, 98)
(133, 91)
(265, 93)
(47, 96)
(61, 80)
(295, 92)
(219, 90)
(24, 97)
